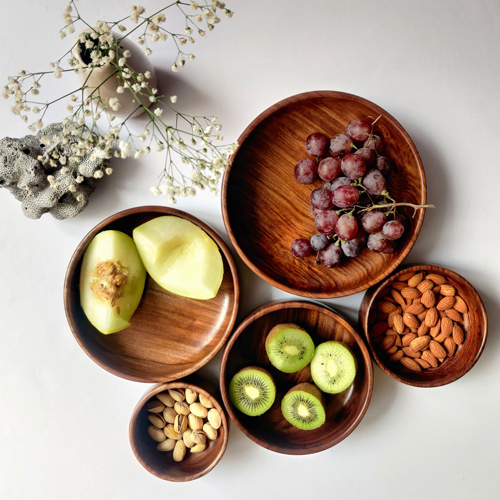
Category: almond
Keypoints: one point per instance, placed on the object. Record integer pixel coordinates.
(390, 318)
(411, 353)
(397, 297)
(424, 364)
(450, 346)
(406, 276)
(436, 278)
(434, 331)
(425, 285)
(460, 305)
(399, 325)
(445, 303)
(458, 334)
(422, 329)
(431, 317)
(454, 315)
(420, 343)
(446, 326)
(398, 342)
(415, 308)
(428, 299)
(421, 316)
(410, 293)
(436, 289)
(447, 290)
(441, 337)
(408, 338)
(385, 306)
(430, 358)
(410, 364)
(398, 285)
(388, 342)
(410, 321)
(437, 349)
(392, 350)
(397, 355)
(415, 280)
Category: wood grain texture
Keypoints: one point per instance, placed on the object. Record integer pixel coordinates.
(161, 464)
(170, 336)
(344, 411)
(265, 208)
(466, 355)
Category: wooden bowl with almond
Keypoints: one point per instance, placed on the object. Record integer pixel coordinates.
(179, 430)
(425, 325)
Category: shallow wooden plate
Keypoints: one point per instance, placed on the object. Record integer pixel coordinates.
(466, 355)
(169, 336)
(344, 411)
(265, 208)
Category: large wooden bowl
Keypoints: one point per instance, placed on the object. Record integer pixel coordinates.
(265, 208)
(162, 464)
(466, 355)
(344, 411)
(169, 336)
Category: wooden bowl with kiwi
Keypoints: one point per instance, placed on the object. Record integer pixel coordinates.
(179, 456)
(425, 325)
(170, 335)
(285, 410)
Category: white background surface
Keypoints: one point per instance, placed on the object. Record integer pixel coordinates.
(433, 65)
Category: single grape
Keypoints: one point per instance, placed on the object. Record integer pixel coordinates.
(353, 166)
(375, 142)
(329, 168)
(374, 182)
(347, 227)
(359, 130)
(379, 243)
(315, 211)
(393, 230)
(326, 221)
(361, 237)
(401, 217)
(306, 171)
(373, 221)
(341, 181)
(367, 154)
(351, 249)
(383, 164)
(330, 256)
(321, 198)
(301, 247)
(317, 144)
(318, 242)
(340, 145)
(345, 196)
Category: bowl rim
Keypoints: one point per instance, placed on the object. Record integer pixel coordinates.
(178, 384)
(367, 304)
(78, 255)
(249, 129)
(277, 305)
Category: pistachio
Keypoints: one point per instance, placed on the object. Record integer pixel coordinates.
(187, 438)
(181, 408)
(156, 434)
(166, 399)
(214, 418)
(179, 451)
(177, 394)
(191, 396)
(169, 415)
(167, 445)
(210, 431)
(195, 423)
(180, 423)
(155, 406)
(199, 437)
(157, 420)
(197, 448)
(199, 410)
(171, 433)
(205, 401)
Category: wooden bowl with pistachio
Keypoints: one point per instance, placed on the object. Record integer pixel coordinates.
(178, 431)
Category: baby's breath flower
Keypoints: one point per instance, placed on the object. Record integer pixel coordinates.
(155, 190)
(108, 171)
(173, 99)
(148, 51)
(98, 174)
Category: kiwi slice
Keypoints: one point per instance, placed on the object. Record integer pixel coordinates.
(303, 407)
(252, 391)
(289, 347)
(333, 367)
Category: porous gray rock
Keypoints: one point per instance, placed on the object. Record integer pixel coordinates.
(42, 186)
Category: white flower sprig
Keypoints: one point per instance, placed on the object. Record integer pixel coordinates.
(186, 140)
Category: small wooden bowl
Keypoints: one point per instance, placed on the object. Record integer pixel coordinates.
(344, 411)
(162, 464)
(466, 355)
(169, 336)
(265, 208)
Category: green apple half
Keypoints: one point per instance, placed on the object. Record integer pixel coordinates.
(112, 281)
(180, 257)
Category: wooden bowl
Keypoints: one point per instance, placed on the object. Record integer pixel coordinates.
(344, 411)
(265, 208)
(475, 325)
(169, 336)
(162, 464)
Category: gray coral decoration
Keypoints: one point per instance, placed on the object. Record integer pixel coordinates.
(42, 185)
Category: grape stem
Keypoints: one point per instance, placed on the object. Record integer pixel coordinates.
(395, 204)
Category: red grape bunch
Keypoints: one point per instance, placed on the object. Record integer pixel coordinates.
(353, 209)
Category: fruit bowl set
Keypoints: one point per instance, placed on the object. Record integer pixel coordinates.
(264, 210)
